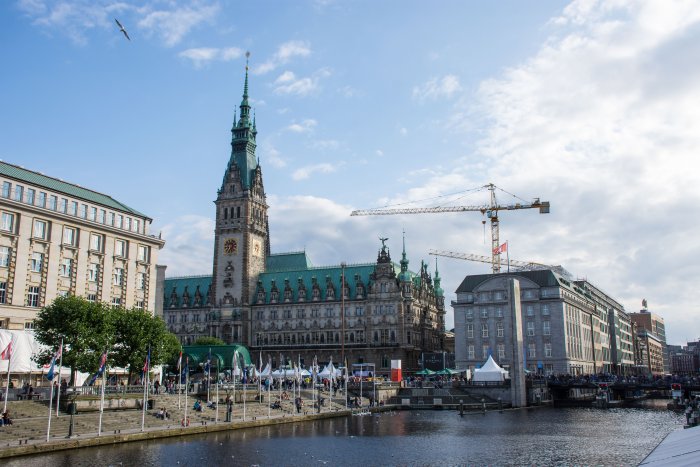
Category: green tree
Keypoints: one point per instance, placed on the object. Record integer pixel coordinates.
(208, 340)
(86, 329)
(135, 332)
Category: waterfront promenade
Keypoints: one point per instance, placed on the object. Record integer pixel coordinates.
(27, 434)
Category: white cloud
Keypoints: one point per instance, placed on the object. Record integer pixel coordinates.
(379, 152)
(325, 144)
(288, 83)
(305, 126)
(272, 155)
(284, 54)
(172, 25)
(304, 173)
(189, 245)
(437, 88)
(403, 131)
(203, 55)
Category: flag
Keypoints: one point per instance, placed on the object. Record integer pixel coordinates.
(260, 367)
(103, 363)
(179, 360)
(50, 373)
(235, 364)
(7, 353)
(185, 371)
(147, 364)
(207, 365)
(501, 249)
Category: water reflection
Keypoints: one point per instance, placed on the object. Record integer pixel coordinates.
(542, 436)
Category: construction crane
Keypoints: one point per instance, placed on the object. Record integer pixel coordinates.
(516, 265)
(489, 210)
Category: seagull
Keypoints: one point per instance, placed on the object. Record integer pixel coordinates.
(121, 28)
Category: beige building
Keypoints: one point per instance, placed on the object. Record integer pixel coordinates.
(57, 238)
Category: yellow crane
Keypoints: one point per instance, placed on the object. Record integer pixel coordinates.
(489, 210)
(510, 263)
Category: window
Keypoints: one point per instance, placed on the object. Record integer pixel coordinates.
(530, 328)
(139, 306)
(499, 329)
(470, 352)
(93, 272)
(74, 208)
(7, 222)
(484, 312)
(110, 219)
(96, 242)
(42, 199)
(501, 351)
(3, 292)
(485, 351)
(39, 229)
(92, 298)
(546, 330)
(93, 214)
(120, 248)
(30, 195)
(103, 215)
(530, 310)
(531, 351)
(143, 254)
(5, 256)
(116, 302)
(83, 211)
(66, 267)
(120, 221)
(140, 281)
(63, 206)
(53, 202)
(6, 188)
(484, 330)
(118, 276)
(499, 312)
(37, 262)
(547, 349)
(19, 191)
(28, 325)
(359, 311)
(545, 309)
(69, 236)
(137, 225)
(470, 330)
(33, 296)
(127, 226)
(470, 313)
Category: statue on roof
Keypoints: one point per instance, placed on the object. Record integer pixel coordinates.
(644, 303)
(383, 240)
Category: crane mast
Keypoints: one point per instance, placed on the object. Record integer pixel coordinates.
(489, 210)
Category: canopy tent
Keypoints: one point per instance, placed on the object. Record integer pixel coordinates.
(490, 371)
(425, 372)
(304, 373)
(447, 372)
(283, 373)
(266, 371)
(330, 371)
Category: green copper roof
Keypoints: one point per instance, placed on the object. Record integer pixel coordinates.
(54, 184)
(190, 283)
(295, 260)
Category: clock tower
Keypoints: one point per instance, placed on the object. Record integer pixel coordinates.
(241, 238)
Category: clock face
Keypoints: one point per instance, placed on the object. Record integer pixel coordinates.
(230, 246)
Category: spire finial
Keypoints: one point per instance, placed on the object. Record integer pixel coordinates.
(245, 87)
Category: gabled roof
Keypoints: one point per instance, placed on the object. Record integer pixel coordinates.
(54, 184)
(189, 282)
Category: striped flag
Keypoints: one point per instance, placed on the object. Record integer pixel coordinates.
(7, 353)
(147, 364)
(50, 374)
(103, 363)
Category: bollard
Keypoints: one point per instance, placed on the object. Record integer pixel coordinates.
(461, 408)
(500, 404)
(483, 405)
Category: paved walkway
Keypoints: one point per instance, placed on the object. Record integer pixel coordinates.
(30, 419)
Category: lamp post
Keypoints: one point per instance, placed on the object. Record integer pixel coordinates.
(72, 410)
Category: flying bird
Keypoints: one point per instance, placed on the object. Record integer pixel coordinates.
(121, 28)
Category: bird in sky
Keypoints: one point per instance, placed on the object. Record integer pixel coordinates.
(121, 28)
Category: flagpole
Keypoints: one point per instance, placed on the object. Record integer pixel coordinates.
(508, 255)
(48, 427)
(216, 420)
(60, 367)
(346, 384)
(233, 377)
(146, 369)
(209, 377)
(244, 390)
(179, 380)
(9, 361)
(102, 395)
(187, 386)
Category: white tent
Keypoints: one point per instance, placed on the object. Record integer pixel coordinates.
(330, 371)
(490, 372)
(266, 371)
(24, 347)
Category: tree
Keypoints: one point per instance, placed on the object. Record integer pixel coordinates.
(208, 340)
(137, 331)
(85, 327)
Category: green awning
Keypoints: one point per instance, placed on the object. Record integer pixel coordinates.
(221, 355)
(425, 372)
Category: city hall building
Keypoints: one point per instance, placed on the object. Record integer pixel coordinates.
(57, 238)
(282, 305)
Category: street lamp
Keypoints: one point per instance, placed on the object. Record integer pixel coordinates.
(342, 312)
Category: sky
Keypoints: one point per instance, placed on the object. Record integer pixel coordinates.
(591, 105)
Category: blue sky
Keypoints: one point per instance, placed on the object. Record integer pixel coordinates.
(591, 105)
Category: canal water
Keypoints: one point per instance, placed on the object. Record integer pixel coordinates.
(539, 436)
